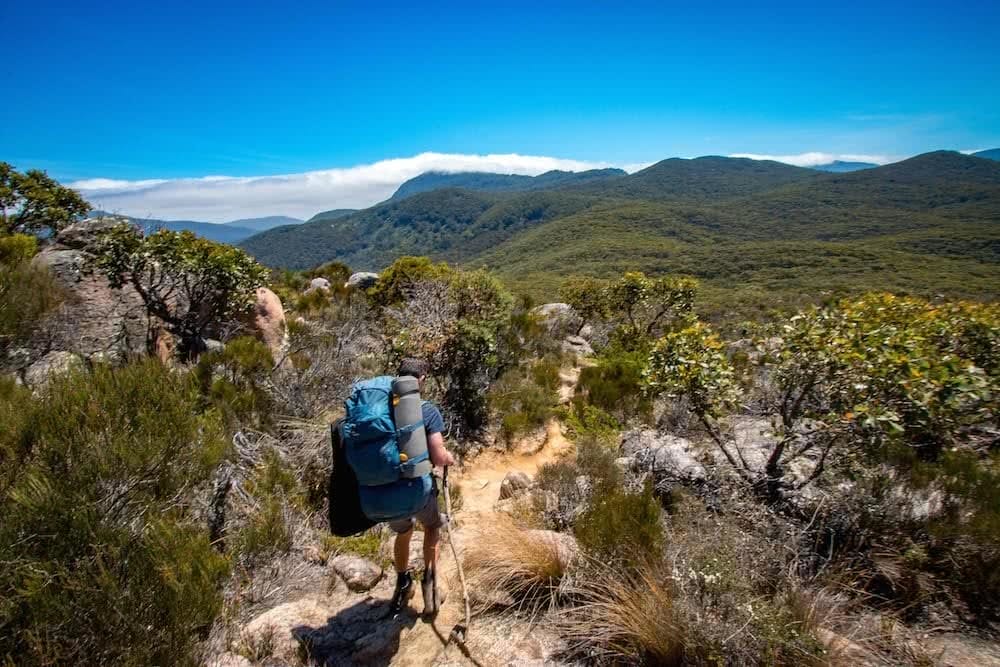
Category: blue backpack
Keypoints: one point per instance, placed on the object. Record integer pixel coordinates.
(388, 487)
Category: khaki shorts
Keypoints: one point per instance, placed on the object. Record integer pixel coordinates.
(429, 516)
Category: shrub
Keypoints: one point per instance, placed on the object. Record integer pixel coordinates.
(234, 380)
(594, 463)
(99, 546)
(526, 397)
(26, 292)
(34, 202)
(457, 321)
(616, 385)
(622, 527)
(186, 281)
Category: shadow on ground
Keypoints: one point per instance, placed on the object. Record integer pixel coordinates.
(363, 633)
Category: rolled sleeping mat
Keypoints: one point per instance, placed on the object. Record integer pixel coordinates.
(408, 413)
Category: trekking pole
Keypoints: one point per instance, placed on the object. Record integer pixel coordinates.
(459, 631)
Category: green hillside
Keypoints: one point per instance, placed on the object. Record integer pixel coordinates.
(487, 182)
(702, 179)
(760, 235)
(332, 214)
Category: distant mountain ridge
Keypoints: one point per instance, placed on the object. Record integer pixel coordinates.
(840, 166)
(489, 182)
(265, 223)
(332, 214)
(991, 154)
(758, 234)
(223, 232)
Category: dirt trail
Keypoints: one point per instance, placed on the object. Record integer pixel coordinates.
(426, 642)
(481, 478)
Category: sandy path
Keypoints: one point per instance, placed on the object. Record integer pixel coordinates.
(426, 642)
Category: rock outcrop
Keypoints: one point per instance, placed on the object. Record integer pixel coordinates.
(269, 322)
(361, 280)
(668, 458)
(360, 574)
(94, 321)
(514, 483)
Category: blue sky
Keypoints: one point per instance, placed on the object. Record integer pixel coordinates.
(129, 91)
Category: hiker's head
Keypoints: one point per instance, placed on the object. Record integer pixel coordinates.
(418, 368)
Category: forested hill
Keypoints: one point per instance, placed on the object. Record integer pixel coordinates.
(759, 234)
(702, 179)
(486, 182)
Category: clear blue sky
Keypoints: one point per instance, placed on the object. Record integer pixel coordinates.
(161, 90)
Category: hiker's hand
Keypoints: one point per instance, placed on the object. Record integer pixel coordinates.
(439, 455)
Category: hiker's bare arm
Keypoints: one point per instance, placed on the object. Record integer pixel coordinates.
(439, 455)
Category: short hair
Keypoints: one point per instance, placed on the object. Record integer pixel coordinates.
(418, 368)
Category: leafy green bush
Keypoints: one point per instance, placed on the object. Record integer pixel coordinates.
(616, 385)
(99, 546)
(186, 281)
(233, 380)
(622, 526)
(525, 397)
(34, 202)
(457, 320)
(26, 292)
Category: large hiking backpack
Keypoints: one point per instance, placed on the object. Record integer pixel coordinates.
(390, 486)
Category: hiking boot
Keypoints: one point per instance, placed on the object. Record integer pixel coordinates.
(404, 591)
(428, 585)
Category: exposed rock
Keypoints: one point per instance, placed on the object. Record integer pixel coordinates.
(360, 574)
(567, 548)
(667, 457)
(955, 650)
(313, 554)
(94, 318)
(844, 651)
(577, 345)
(229, 660)
(318, 284)
(212, 345)
(274, 633)
(514, 483)
(87, 233)
(559, 318)
(53, 363)
(269, 322)
(361, 280)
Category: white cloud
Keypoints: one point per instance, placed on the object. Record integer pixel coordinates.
(815, 158)
(222, 198)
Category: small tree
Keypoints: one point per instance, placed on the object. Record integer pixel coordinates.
(35, 202)
(640, 307)
(186, 281)
(587, 297)
(455, 319)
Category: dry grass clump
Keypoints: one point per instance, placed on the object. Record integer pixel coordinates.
(625, 618)
(724, 592)
(510, 566)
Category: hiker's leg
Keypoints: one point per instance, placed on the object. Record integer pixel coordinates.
(431, 538)
(401, 550)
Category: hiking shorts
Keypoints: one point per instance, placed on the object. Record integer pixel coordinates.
(429, 515)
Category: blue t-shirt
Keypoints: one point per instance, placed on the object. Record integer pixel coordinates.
(433, 422)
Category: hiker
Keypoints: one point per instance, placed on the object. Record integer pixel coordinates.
(428, 515)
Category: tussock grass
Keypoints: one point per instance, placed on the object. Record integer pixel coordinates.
(625, 618)
(513, 567)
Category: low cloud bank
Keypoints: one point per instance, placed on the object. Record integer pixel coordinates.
(815, 158)
(223, 198)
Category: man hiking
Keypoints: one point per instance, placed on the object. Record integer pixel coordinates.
(428, 515)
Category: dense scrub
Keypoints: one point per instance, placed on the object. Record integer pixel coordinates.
(105, 560)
